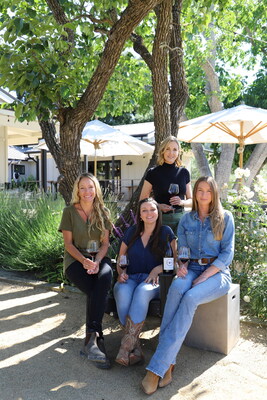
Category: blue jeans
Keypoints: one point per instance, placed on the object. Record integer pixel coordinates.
(133, 297)
(181, 304)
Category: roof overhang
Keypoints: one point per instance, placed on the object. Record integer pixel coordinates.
(19, 133)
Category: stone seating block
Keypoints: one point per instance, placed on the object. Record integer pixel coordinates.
(216, 325)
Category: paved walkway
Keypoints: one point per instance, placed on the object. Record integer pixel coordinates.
(42, 332)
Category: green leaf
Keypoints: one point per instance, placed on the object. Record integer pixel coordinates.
(18, 22)
(38, 47)
(65, 91)
(31, 12)
(53, 68)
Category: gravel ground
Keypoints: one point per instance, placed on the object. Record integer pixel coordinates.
(41, 333)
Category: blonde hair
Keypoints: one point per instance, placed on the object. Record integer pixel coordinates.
(100, 215)
(162, 148)
(216, 212)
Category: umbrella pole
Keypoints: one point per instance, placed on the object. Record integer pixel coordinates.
(95, 165)
(240, 151)
(113, 173)
(241, 158)
(95, 171)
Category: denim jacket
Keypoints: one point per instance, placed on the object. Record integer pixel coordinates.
(197, 235)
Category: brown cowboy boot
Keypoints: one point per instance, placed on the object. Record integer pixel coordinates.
(129, 340)
(136, 356)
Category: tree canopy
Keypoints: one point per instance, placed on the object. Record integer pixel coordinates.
(71, 61)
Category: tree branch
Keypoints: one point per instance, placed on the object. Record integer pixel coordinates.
(120, 32)
(141, 49)
(61, 19)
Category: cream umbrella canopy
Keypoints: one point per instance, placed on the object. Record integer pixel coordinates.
(102, 140)
(242, 125)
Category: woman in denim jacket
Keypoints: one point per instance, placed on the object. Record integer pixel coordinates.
(208, 230)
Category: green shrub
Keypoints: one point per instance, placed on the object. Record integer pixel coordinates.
(29, 237)
(249, 267)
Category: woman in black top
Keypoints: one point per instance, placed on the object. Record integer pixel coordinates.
(159, 178)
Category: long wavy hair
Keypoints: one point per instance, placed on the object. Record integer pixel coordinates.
(100, 215)
(216, 212)
(155, 239)
(163, 145)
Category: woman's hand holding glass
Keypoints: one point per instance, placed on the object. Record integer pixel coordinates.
(183, 259)
(122, 263)
(91, 264)
(175, 200)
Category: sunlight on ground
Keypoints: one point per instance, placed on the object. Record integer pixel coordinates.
(7, 304)
(11, 338)
(36, 310)
(24, 356)
(73, 384)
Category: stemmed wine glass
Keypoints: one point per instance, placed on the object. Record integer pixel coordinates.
(173, 190)
(184, 254)
(123, 262)
(93, 247)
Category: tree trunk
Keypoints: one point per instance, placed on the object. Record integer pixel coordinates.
(66, 155)
(179, 88)
(158, 63)
(213, 91)
(72, 121)
(201, 159)
(160, 82)
(224, 167)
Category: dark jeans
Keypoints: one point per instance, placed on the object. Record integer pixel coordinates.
(96, 288)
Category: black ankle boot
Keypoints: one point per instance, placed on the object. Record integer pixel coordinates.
(91, 349)
(101, 346)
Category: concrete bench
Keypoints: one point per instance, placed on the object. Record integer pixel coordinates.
(216, 326)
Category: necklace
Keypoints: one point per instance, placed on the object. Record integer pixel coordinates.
(87, 215)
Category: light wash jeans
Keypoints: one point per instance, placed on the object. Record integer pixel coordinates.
(133, 297)
(181, 304)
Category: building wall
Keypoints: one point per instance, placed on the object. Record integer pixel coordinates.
(3, 155)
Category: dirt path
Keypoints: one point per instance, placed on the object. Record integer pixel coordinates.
(42, 331)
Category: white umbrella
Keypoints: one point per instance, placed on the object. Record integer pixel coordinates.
(242, 124)
(102, 140)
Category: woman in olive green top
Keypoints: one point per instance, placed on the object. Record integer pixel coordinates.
(85, 226)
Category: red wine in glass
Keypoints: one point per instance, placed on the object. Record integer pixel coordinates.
(184, 254)
(93, 247)
(123, 262)
(173, 189)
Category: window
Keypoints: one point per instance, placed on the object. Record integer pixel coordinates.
(20, 169)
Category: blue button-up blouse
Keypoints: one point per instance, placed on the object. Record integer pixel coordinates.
(198, 235)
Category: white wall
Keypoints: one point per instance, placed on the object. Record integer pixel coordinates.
(3, 155)
(30, 169)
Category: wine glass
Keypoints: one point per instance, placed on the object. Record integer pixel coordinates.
(173, 189)
(93, 247)
(184, 254)
(123, 262)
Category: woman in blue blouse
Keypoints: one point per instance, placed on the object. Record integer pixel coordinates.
(208, 231)
(145, 245)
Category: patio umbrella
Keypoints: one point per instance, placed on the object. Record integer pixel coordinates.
(102, 140)
(242, 124)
